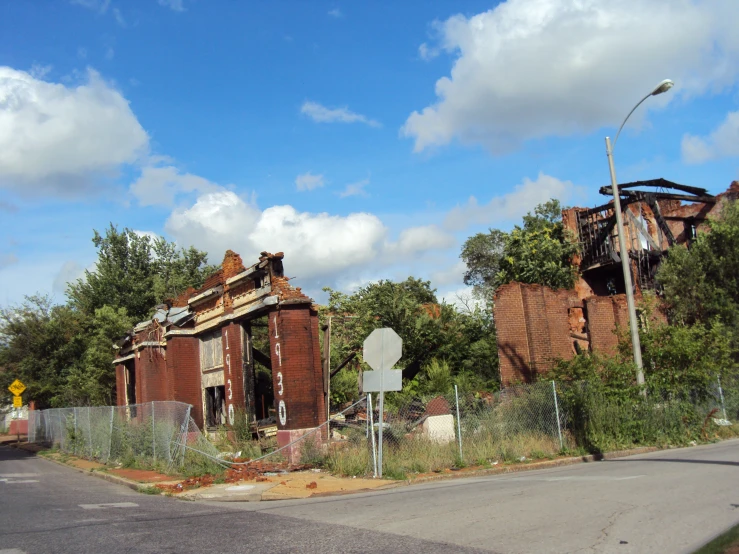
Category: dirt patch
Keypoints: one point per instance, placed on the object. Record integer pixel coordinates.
(311, 483)
(257, 472)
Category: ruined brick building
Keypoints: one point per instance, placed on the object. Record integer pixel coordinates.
(200, 350)
(536, 325)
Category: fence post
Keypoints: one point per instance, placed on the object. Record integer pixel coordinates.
(186, 429)
(372, 433)
(721, 395)
(459, 426)
(89, 431)
(76, 436)
(153, 434)
(556, 411)
(110, 435)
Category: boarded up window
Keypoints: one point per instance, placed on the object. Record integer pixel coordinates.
(211, 351)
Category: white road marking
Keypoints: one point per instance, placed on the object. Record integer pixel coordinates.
(109, 505)
(12, 551)
(11, 482)
(15, 475)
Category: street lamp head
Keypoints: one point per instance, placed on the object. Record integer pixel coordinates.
(664, 86)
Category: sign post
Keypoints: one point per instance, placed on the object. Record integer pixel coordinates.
(381, 350)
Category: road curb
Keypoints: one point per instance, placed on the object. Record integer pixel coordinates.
(535, 465)
(101, 475)
(391, 485)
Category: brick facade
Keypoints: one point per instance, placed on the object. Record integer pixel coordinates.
(536, 325)
(295, 354)
(166, 353)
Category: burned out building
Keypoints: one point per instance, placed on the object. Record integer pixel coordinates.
(536, 325)
(200, 349)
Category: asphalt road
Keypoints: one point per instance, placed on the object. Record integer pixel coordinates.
(671, 501)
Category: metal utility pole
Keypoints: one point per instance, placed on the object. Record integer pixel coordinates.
(664, 86)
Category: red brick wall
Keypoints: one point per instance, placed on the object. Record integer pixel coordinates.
(533, 329)
(233, 368)
(183, 359)
(151, 375)
(296, 367)
(604, 313)
(120, 384)
(512, 334)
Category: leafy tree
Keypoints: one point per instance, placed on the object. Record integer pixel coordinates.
(701, 283)
(39, 342)
(136, 273)
(463, 340)
(91, 381)
(539, 251)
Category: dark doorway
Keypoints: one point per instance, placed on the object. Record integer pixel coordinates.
(215, 406)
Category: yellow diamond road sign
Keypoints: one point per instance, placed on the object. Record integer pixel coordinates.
(17, 402)
(16, 387)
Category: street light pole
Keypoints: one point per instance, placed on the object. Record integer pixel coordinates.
(664, 86)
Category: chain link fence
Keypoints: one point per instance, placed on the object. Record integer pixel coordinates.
(153, 433)
(420, 434)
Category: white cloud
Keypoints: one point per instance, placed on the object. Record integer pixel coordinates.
(510, 206)
(427, 53)
(39, 71)
(308, 181)
(355, 189)
(534, 68)
(420, 239)
(119, 17)
(336, 12)
(315, 243)
(322, 114)
(451, 275)
(160, 185)
(57, 139)
(174, 5)
(723, 142)
(68, 273)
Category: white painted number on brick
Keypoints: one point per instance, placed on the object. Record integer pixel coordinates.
(230, 391)
(279, 355)
(281, 389)
(231, 414)
(226, 340)
(282, 411)
(228, 363)
(275, 320)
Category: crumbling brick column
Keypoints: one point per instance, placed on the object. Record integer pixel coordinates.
(183, 360)
(233, 375)
(120, 384)
(296, 372)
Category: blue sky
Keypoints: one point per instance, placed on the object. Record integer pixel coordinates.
(365, 140)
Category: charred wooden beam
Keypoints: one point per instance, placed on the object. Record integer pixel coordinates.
(341, 366)
(652, 203)
(262, 358)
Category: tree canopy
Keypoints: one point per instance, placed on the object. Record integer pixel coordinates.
(429, 329)
(136, 272)
(539, 251)
(64, 353)
(701, 283)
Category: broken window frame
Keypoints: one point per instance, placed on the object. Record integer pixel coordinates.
(211, 351)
